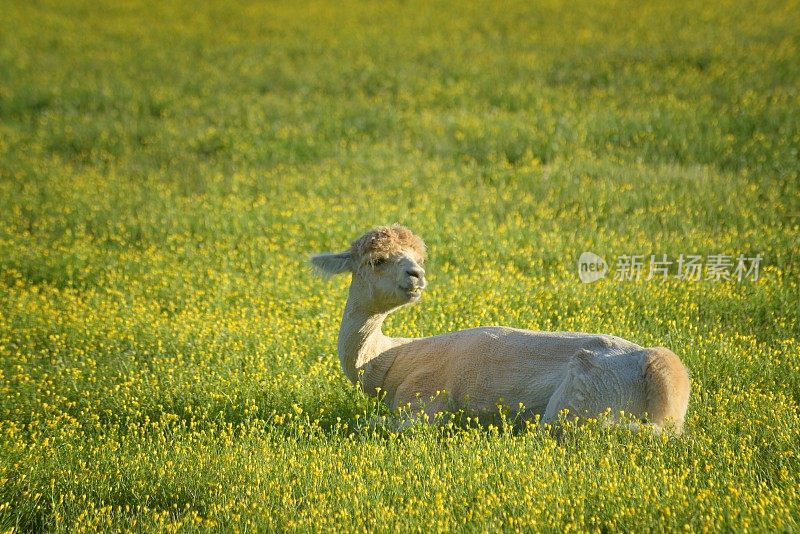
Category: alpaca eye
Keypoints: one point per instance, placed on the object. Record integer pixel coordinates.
(377, 262)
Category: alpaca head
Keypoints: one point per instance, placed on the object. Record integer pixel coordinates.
(386, 264)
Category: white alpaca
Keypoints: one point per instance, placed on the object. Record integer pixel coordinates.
(478, 369)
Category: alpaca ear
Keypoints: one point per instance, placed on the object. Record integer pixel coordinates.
(328, 263)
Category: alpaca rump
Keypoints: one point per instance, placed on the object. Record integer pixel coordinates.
(668, 388)
(647, 384)
(482, 368)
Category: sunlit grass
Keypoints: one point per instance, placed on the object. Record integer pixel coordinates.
(168, 358)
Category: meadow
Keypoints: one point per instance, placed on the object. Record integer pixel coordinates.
(168, 357)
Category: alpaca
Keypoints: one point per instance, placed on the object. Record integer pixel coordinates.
(480, 370)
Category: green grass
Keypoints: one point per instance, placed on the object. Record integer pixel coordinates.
(168, 358)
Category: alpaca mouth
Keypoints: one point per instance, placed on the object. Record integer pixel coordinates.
(413, 291)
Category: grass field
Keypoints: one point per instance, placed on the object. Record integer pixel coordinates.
(168, 358)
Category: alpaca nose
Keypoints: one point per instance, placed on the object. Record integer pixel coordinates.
(416, 272)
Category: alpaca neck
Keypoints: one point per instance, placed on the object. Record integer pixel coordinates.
(360, 336)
